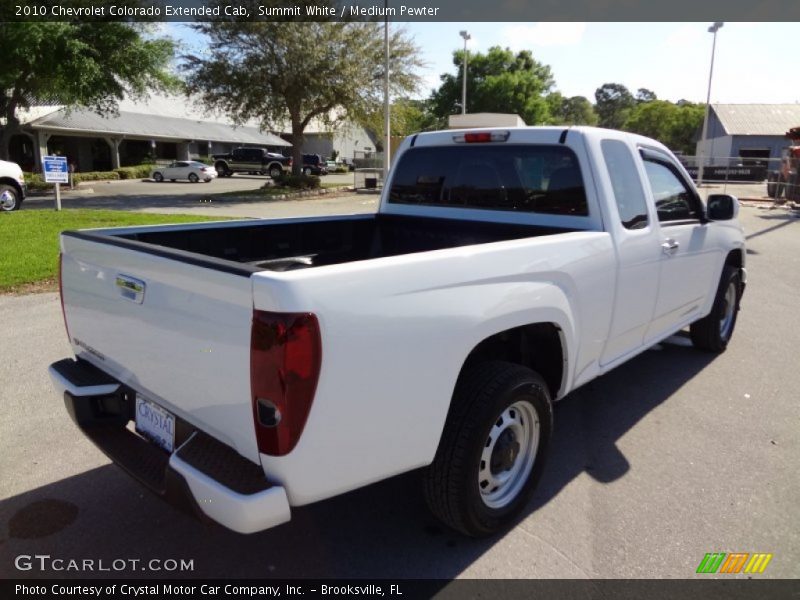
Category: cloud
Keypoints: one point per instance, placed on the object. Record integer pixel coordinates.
(689, 35)
(519, 37)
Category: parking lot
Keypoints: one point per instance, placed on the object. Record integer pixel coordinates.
(672, 455)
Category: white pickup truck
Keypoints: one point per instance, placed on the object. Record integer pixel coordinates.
(243, 368)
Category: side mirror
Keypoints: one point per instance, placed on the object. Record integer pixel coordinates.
(722, 207)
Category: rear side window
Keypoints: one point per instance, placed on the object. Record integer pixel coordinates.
(530, 178)
(628, 191)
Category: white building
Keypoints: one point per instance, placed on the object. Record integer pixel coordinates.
(158, 128)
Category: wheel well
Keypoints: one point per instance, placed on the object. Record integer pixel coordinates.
(12, 183)
(537, 346)
(734, 259)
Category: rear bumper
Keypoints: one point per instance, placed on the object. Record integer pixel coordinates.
(202, 476)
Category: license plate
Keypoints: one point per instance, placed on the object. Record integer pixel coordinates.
(155, 423)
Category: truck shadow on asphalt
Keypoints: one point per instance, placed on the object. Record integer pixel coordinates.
(382, 531)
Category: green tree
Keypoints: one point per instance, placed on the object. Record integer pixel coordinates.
(498, 81)
(295, 72)
(673, 125)
(78, 64)
(645, 95)
(408, 115)
(576, 110)
(613, 101)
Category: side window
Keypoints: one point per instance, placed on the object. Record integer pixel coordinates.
(673, 199)
(628, 191)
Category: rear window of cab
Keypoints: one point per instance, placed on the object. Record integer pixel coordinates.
(525, 178)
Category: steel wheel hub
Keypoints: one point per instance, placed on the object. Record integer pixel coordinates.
(7, 200)
(508, 454)
(728, 311)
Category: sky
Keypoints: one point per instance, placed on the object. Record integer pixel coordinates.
(754, 62)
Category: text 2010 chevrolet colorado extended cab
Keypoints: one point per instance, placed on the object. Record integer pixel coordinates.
(270, 364)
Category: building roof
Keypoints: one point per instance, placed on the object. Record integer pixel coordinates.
(153, 126)
(757, 119)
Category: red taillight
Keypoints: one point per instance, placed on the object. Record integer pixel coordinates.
(61, 292)
(290, 162)
(285, 360)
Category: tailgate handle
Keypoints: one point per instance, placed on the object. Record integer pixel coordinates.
(131, 288)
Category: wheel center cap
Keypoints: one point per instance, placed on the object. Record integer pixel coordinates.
(505, 452)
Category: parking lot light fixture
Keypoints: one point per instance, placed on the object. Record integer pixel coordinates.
(713, 30)
(464, 34)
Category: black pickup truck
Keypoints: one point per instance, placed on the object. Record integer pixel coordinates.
(252, 160)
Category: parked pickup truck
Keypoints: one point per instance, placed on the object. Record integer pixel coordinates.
(273, 363)
(12, 186)
(252, 160)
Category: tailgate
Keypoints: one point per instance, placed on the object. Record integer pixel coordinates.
(176, 330)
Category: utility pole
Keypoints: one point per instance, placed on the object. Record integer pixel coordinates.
(464, 34)
(713, 29)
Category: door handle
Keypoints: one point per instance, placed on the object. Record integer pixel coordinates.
(670, 246)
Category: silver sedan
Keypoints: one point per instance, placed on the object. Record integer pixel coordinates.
(185, 169)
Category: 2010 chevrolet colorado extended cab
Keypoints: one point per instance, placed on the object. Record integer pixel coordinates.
(243, 368)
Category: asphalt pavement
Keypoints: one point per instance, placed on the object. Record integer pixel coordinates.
(670, 456)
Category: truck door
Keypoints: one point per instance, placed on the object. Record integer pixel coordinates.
(688, 262)
(636, 235)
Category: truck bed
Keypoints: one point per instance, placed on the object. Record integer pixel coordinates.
(303, 243)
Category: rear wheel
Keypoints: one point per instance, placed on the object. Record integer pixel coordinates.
(193, 177)
(307, 171)
(772, 184)
(713, 332)
(9, 198)
(158, 177)
(492, 450)
(275, 171)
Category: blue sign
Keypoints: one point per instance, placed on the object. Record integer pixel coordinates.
(55, 169)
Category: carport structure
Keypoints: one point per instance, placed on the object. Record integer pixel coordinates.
(93, 142)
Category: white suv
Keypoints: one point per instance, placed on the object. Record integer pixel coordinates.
(12, 186)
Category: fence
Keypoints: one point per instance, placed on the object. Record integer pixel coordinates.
(781, 183)
(368, 179)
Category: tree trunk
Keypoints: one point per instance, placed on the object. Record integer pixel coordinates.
(5, 139)
(297, 145)
(11, 127)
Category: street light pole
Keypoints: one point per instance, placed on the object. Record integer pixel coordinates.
(713, 29)
(464, 34)
(387, 124)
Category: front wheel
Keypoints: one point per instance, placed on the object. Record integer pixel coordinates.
(492, 450)
(713, 332)
(158, 177)
(9, 198)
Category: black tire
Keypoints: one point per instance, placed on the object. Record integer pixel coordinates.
(713, 332)
(306, 171)
(222, 169)
(772, 184)
(158, 177)
(793, 188)
(193, 177)
(780, 186)
(486, 396)
(9, 198)
(275, 171)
